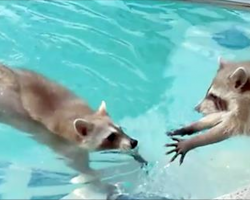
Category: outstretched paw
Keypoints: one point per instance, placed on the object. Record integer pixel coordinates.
(181, 147)
(181, 132)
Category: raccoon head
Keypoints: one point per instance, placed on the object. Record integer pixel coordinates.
(98, 132)
(230, 84)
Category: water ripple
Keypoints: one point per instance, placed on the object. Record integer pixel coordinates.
(140, 56)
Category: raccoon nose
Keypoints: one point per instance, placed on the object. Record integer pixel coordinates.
(197, 108)
(133, 143)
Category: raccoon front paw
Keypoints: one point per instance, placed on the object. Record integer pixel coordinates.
(174, 133)
(181, 148)
(180, 132)
(79, 180)
(84, 178)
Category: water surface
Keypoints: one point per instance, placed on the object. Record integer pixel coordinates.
(151, 61)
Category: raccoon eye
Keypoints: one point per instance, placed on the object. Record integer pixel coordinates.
(212, 96)
(111, 137)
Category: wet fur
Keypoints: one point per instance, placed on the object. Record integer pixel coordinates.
(226, 109)
(34, 104)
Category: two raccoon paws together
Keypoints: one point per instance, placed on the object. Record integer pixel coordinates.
(181, 146)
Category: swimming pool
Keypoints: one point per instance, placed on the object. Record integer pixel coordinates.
(151, 61)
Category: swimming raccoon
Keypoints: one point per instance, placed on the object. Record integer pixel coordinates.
(226, 110)
(56, 117)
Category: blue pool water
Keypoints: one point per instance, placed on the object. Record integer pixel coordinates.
(151, 61)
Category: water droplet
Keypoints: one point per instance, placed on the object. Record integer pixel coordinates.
(167, 166)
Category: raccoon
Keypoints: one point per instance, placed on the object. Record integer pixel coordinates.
(226, 110)
(55, 116)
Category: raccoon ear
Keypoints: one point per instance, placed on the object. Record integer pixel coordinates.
(238, 78)
(82, 127)
(102, 109)
(222, 62)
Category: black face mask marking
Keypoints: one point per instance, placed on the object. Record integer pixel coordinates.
(111, 137)
(219, 103)
(113, 140)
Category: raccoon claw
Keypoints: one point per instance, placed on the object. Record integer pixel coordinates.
(169, 133)
(180, 132)
(181, 148)
(177, 139)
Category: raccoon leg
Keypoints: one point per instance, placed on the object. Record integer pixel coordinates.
(213, 135)
(78, 160)
(204, 123)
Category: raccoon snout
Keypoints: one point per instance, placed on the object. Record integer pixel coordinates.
(133, 143)
(197, 108)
